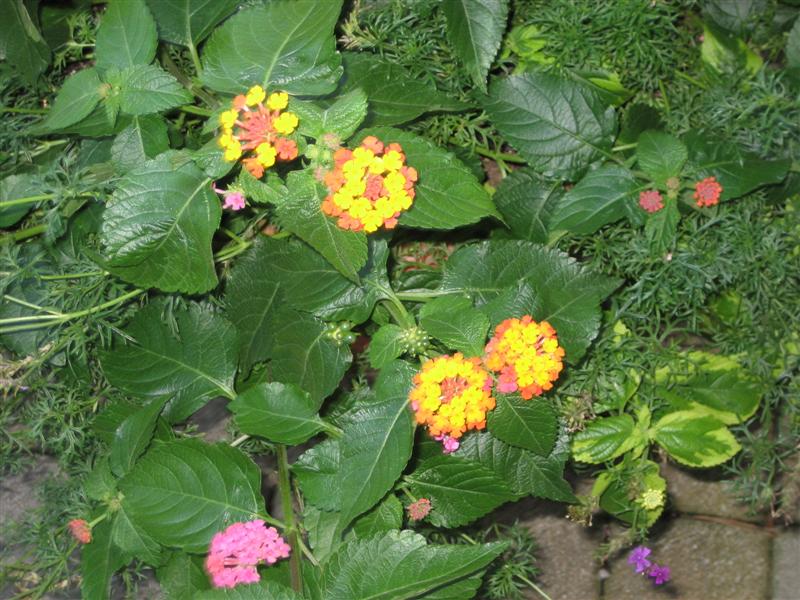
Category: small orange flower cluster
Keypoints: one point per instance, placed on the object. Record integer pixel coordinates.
(369, 186)
(707, 192)
(258, 128)
(527, 356)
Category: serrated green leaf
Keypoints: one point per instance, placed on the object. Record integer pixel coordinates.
(460, 491)
(317, 474)
(269, 190)
(281, 413)
(100, 484)
(605, 439)
(133, 541)
(527, 204)
(145, 137)
(15, 187)
(447, 194)
(453, 321)
(661, 155)
(211, 158)
(695, 439)
(475, 28)
(660, 227)
(133, 436)
(105, 424)
(597, 199)
(76, 99)
(102, 121)
(147, 89)
(387, 515)
(324, 531)
(394, 95)
(287, 44)
(21, 44)
(734, 15)
(126, 36)
(265, 590)
(193, 368)
(529, 424)
(100, 559)
(181, 493)
(188, 22)
(385, 345)
(182, 576)
(158, 226)
(341, 118)
(560, 127)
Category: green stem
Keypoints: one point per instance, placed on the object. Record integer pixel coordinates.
(26, 200)
(624, 147)
(198, 68)
(533, 586)
(72, 275)
(195, 110)
(494, 155)
(23, 111)
(30, 305)
(196, 91)
(291, 532)
(421, 295)
(23, 234)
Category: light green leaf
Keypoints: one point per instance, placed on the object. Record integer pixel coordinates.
(324, 531)
(695, 439)
(145, 137)
(529, 424)
(527, 204)
(475, 28)
(133, 436)
(560, 127)
(660, 227)
(147, 89)
(341, 118)
(21, 44)
(76, 99)
(158, 226)
(192, 368)
(126, 36)
(447, 194)
(597, 199)
(189, 22)
(132, 540)
(661, 155)
(15, 187)
(100, 559)
(605, 439)
(385, 345)
(737, 16)
(182, 576)
(281, 413)
(454, 322)
(181, 493)
(102, 121)
(730, 396)
(287, 45)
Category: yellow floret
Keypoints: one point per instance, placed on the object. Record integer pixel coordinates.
(286, 123)
(266, 154)
(233, 151)
(226, 140)
(376, 166)
(394, 182)
(227, 119)
(278, 101)
(392, 161)
(255, 95)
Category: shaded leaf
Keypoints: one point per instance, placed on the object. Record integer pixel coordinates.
(133, 541)
(126, 36)
(145, 137)
(454, 322)
(100, 559)
(529, 424)
(188, 22)
(527, 204)
(147, 89)
(21, 44)
(341, 118)
(385, 345)
(182, 576)
(317, 474)
(133, 436)
(77, 98)
(661, 227)
(387, 515)
(661, 155)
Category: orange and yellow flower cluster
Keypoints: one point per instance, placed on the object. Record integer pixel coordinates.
(451, 395)
(526, 355)
(257, 127)
(369, 186)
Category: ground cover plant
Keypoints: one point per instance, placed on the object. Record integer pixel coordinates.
(434, 257)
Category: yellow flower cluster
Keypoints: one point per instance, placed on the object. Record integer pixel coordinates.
(527, 356)
(369, 186)
(451, 395)
(259, 128)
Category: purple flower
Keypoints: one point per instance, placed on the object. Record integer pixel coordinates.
(638, 557)
(659, 574)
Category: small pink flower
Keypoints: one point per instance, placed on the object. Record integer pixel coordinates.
(80, 530)
(707, 192)
(232, 199)
(419, 510)
(450, 444)
(651, 201)
(235, 553)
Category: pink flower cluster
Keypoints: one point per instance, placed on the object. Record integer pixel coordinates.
(235, 553)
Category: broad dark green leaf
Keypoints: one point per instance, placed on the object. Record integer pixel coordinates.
(148, 89)
(281, 413)
(158, 226)
(102, 121)
(793, 46)
(324, 531)
(76, 99)
(182, 576)
(453, 321)
(100, 559)
(527, 204)
(660, 227)
(126, 36)
(181, 493)
(448, 195)
(376, 444)
(317, 474)
(661, 155)
(476, 28)
(340, 119)
(694, 438)
(15, 187)
(265, 590)
(387, 515)
(598, 199)
(604, 439)
(132, 540)
(529, 424)
(189, 22)
(730, 396)
(637, 119)
(105, 424)
(21, 44)
(133, 436)
(192, 368)
(394, 95)
(385, 345)
(560, 127)
(145, 137)
(737, 16)
(460, 491)
(286, 44)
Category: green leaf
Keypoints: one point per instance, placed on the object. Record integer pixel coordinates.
(133, 541)
(145, 137)
(306, 356)
(447, 194)
(729, 396)
(158, 226)
(133, 436)
(385, 345)
(100, 484)
(399, 565)
(737, 16)
(695, 439)
(394, 95)
(270, 190)
(21, 44)
(454, 322)
(661, 227)
(597, 199)
(317, 474)
(475, 28)
(100, 559)
(15, 187)
(302, 215)
(324, 531)
(529, 424)
(287, 44)
(793, 46)
(105, 424)
(181, 493)
(76, 99)
(460, 491)
(376, 443)
(182, 576)
(560, 127)
(126, 36)
(147, 89)
(605, 439)
(189, 22)
(265, 590)
(341, 118)
(387, 515)
(102, 121)
(193, 368)
(527, 204)
(661, 155)
(532, 279)
(281, 413)
(616, 499)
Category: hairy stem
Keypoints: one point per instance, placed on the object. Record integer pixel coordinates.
(285, 488)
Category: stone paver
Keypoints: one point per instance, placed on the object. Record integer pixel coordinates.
(709, 561)
(786, 565)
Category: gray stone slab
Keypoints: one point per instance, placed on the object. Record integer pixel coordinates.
(709, 561)
(786, 565)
